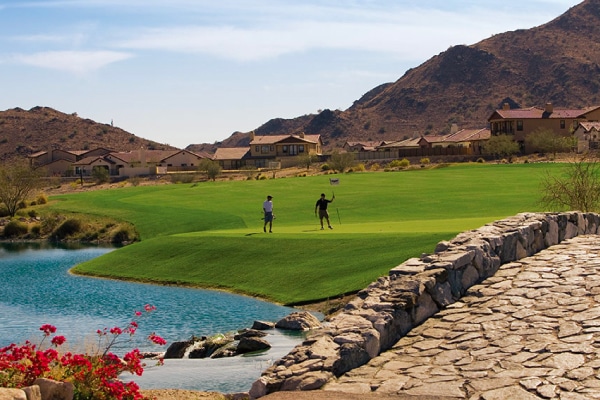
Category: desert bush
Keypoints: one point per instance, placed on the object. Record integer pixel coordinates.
(182, 178)
(375, 167)
(15, 229)
(36, 230)
(68, 228)
(325, 167)
(404, 163)
(41, 199)
(22, 204)
(481, 160)
(122, 234)
(4, 211)
(134, 180)
(100, 175)
(360, 167)
(32, 213)
(424, 161)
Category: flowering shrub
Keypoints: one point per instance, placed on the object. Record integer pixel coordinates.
(94, 376)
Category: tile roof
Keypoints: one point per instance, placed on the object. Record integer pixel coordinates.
(272, 139)
(588, 126)
(541, 113)
(231, 153)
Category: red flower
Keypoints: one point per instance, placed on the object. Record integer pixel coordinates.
(47, 329)
(58, 340)
(157, 339)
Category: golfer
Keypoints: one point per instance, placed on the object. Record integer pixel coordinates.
(322, 207)
(268, 210)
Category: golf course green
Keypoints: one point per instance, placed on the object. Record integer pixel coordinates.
(210, 234)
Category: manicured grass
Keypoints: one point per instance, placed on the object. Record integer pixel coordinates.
(210, 234)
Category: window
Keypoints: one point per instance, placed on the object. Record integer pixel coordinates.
(264, 149)
(257, 148)
(519, 124)
(562, 124)
(284, 149)
(301, 148)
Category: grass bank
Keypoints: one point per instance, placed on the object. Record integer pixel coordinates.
(210, 234)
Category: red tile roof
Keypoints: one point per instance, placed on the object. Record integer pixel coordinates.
(273, 139)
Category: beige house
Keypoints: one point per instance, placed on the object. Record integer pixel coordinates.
(520, 122)
(362, 146)
(471, 140)
(231, 158)
(58, 162)
(282, 149)
(588, 136)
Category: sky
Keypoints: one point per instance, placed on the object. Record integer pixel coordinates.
(185, 72)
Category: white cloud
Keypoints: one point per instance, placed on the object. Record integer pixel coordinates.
(78, 62)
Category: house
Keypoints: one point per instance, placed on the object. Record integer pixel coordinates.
(588, 136)
(59, 161)
(282, 149)
(362, 146)
(231, 157)
(520, 122)
(470, 140)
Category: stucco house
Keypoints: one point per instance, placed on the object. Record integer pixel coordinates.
(231, 158)
(283, 149)
(520, 122)
(362, 146)
(588, 136)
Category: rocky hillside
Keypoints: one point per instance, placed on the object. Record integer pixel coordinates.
(558, 62)
(41, 128)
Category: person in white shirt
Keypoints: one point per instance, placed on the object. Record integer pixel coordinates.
(268, 210)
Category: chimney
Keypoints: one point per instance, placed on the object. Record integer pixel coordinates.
(453, 129)
(252, 135)
(549, 109)
(506, 106)
(301, 135)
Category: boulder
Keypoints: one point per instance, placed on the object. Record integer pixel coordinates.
(262, 325)
(54, 390)
(250, 344)
(177, 349)
(12, 394)
(299, 321)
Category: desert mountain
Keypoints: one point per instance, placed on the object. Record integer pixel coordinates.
(26, 132)
(558, 62)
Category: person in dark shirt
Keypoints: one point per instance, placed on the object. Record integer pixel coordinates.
(322, 207)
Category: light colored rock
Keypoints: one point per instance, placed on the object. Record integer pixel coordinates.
(12, 394)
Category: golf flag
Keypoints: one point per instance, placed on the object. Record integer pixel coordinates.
(334, 182)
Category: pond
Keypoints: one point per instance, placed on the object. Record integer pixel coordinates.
(37, 288)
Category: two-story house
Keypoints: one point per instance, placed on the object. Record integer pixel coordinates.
(520, 122)
(283, 149)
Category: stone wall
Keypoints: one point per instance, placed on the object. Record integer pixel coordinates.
(390, 307)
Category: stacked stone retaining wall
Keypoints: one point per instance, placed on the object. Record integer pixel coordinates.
(412, 292)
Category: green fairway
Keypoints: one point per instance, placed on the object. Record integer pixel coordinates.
(210, 234)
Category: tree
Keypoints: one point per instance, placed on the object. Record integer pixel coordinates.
(306, 160)
(548, 141)
(501, 146)
(341, 161)
(100, 175)
(212, 168)
(577, 189)
(17, 181)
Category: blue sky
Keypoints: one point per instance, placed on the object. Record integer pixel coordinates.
(194, 71)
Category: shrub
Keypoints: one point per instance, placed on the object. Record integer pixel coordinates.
(22, 204)
(360, 167)
(375, 167)
(425, 161)
(36, 230)
(41, 199)
(134, 181)
(325, 167)
(122, 235)
(182, 178)
(4, 211)
(480, 160)
(32, 213)
(15, 229)
(399, 163)
(68, 228)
